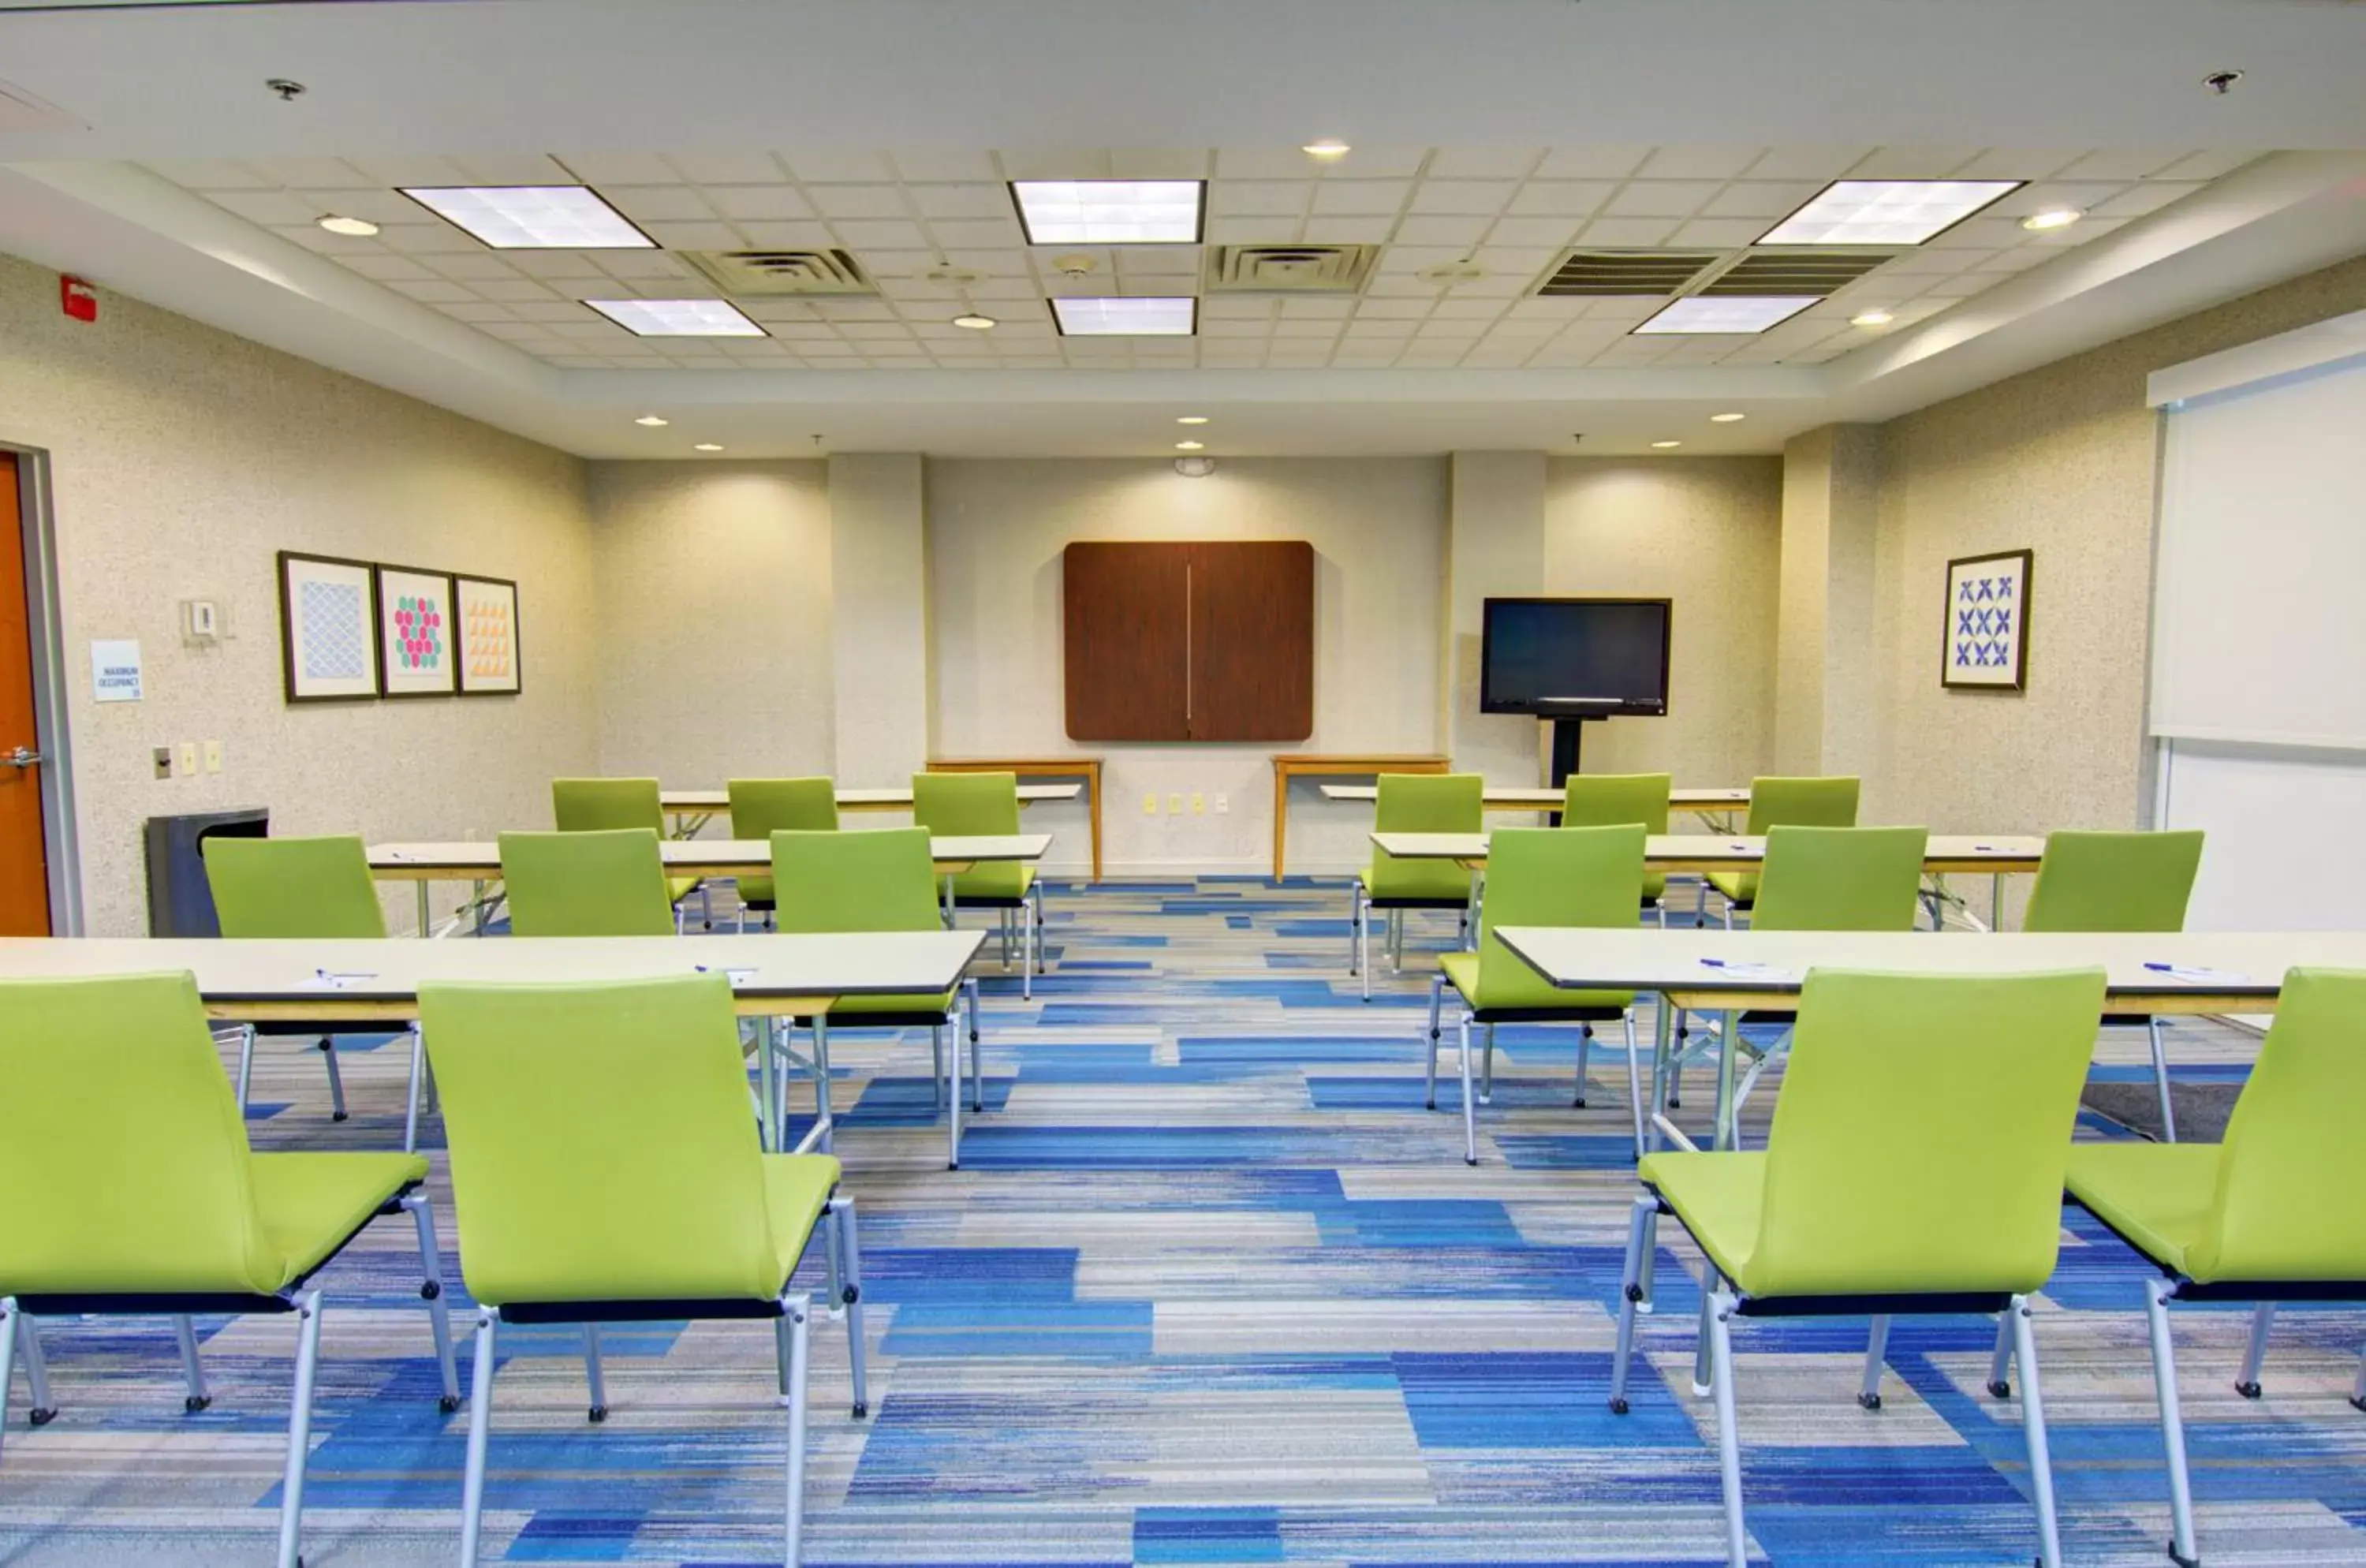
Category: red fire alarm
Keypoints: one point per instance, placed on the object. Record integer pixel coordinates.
(79, 299)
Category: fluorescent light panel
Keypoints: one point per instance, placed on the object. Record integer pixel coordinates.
(1884, 212)
(1730, 313)
(524, 218)
(1109, 213)
(1126, 316)
(677, 318)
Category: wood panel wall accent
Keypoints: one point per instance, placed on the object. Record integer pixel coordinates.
(1205, 640)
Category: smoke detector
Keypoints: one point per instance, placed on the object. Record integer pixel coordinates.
(1073, 265)
(1445, 274)
(959, 276)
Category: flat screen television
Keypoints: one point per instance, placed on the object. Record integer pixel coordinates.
(1574, 658)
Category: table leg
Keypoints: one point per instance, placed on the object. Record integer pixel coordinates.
(1093, 800)
(423, 917)
(769, 1119)
(1729, 1040)
(824, 1117)
(1281, 817)
(949, 900)
(1995, 900)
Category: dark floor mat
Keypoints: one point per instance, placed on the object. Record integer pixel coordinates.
(2202, 1108)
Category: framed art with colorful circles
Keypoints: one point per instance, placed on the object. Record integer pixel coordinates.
(415, 653)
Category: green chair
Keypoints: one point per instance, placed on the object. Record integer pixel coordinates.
(604, 1170)
(760, 807)
(598, 806)
(2277, 1212)
(300, 888)
(1541, 876)
(604, 883)
(1805, 802)
(986, 806)
(1414, 803)
(130, 1190)
(2119, 882)
(876, 881)
(1863, 1203)
(1605, 800)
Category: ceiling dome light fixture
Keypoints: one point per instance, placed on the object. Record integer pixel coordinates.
(974, 322)
(1663, 445)
(1330, 148)
(1871, 318)
(707, 446)
(1727, 418)
(1191, 419)
(1190, 446)
(2219, 82)
(1195, 468)
(2052, 218)
(652, 420)
(352, 228)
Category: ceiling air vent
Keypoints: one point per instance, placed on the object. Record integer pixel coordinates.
(1796, 274)
(1290, 269)
(1582, 272)
(756, 273)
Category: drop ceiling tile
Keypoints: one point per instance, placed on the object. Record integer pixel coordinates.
(1449, 327)
(976, 234)
(556, 311)
(795, 332)
(2206, 166)
(512, 169)
(1347, 230)
(804, 236)
(266, 207)
(668, 203)
(1258, 230)
(859, 202)
(2084, 195)
(1325, 330)
(2121, 163)
(523, 333)
(1374, 309)
(638, 265)
(619, 168)
(1237, 308)
(552, 264)
(1719, 233)
(694, 236)
(1232, 356)
(2019, 259)
(1911, 162)
(1623, 308)
(1412, 258)
(826, 348)
(1503, 286)
(1983, 232)
(944, 164)
(1628, 231)
(1699, 162)
(426, 239)
(1481, 163)
(886, 265)
(1003, 288)
(337, 247)
(1244, 199)
(1465, 197)
(1593, 162)
(1956, 288)
(299, 174)
(1317, 307)
(919, 290)
(756, 349)
(1398, 284)
(377, 205)
(1458, 232)
(2138, 200)
(1548, 309)
(1551, 233)
(2019, 163)
(1158, 164)
(1768, 199)
(579, 362)
(1166, 262)
(840, 167)
(1034, 362)
(477, 313)
(868, 233)
(727, 168)
(979, 200)
(763, 201)
(388, 268)
(1660, 199)
(1362, 197)
(1820, 165)
(1458, 307)
(470, 266)
(212, 174)
(858, 330)
(1560, 198)
(1931, 263)
(1515, 260)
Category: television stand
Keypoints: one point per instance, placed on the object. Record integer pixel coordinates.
(1567, 735)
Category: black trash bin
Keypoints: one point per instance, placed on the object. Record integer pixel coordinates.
(180, 902)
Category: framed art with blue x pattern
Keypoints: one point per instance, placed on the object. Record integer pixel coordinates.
(1987, 647)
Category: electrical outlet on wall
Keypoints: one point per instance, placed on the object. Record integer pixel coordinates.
(213, 756)
(1199, 802)
(1175, 805)
(163, 755)
(1223, 805)
(1150, 806)
(188, 760)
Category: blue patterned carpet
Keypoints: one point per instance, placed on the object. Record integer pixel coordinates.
(1211, 1288)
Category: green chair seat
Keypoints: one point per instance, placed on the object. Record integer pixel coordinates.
(796, 1191)
(1739, 887)
(1720, 1197)
(1506, 995)
(915, 1005)
(310, 1204)
(2160, 1197)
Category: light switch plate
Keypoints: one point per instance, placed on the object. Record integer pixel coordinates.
(1223, 804)
(213, 756)
(164, 761)
(1175, 805)
(187, 762)
(1199, 802)
(1150, 806)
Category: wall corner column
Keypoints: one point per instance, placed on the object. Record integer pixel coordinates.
(1495, 549)
(1826, 677)
(879, 619)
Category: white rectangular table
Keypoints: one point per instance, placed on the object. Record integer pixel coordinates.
(1715, 804)
(693, 809)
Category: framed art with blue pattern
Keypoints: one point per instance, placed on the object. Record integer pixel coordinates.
(328, 628)
(1987, 647)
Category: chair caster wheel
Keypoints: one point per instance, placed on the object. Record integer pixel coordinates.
(2180, 1559)
(431, 1289)
(1469, 1161)
(2251, 1390)
(2001, 1390)
(2356, 1403)
(1868, 1402)
(1675, 1104)
(597, 1414)
(860, 1411)
(1577, 1104)
(1618, 1407)
(196, 1402)
(337, 1116)
(448, 1403)
(42, 1417)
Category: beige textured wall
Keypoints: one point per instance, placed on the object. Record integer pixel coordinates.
(713, 652)
(182, 458)
(2062, 460)
(1707, 532)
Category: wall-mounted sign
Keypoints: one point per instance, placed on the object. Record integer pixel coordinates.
(114, 670)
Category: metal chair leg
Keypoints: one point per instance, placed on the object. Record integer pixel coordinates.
(1355, 928)
(1642, 1227)
(1437, 998)
(2160, 1077)
(591, 1374)
(1396, 941)
(246, 1063)
(1703, 1360)
(1719, 1311)
(1634, 1079)
(1487, 1078)
(2172, 1420)
(2255, 1350)
(1363, 968)
(1876, 1350)
(1469, 1113)
(2000, 1361)
(431, 1290)
(7, 1358)
(849, 1255)
(800, 1311)
(300, 1428)
(411, 1093)
(2032, 1431)
(37, 1372)
(1584, 1044)
(937, 1058)
(193, 1370)
(336, 1079)
(480, 1408)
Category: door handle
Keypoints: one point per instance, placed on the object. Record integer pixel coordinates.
(22, 757)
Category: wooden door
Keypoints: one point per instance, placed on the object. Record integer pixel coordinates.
(1252, 640)
(24, 851)
(1127, 654)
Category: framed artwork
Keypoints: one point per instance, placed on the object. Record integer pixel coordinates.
(486, 615)
(327, 627)
(1986, 644)
(414, 632)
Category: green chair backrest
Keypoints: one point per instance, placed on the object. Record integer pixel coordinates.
(2291, 1199)
(1425, 803)
(972, 805)
(591, 806)
(2115, 882)
(878, 881)
(1807, 803)
(602, 1145)
(1604, 800)
(1921, 1131)
(292, 888)
(1553, 876)
(127, 1166)
(610, 883)
(760, 807)
(1839, 879)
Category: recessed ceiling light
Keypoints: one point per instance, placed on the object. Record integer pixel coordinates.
(677, 318)
(1663, 445)
(1191, 419)
(1328, 148)
(1190, 446)
(2052, 218)
(974, 322)
(517, 218)
(1871, 318)
(1109, 213)
(1738, 313)
(352, 228)
(1727, 418)
(1126, 316)
(652, 420)
(1884, 212)
(707, 446)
